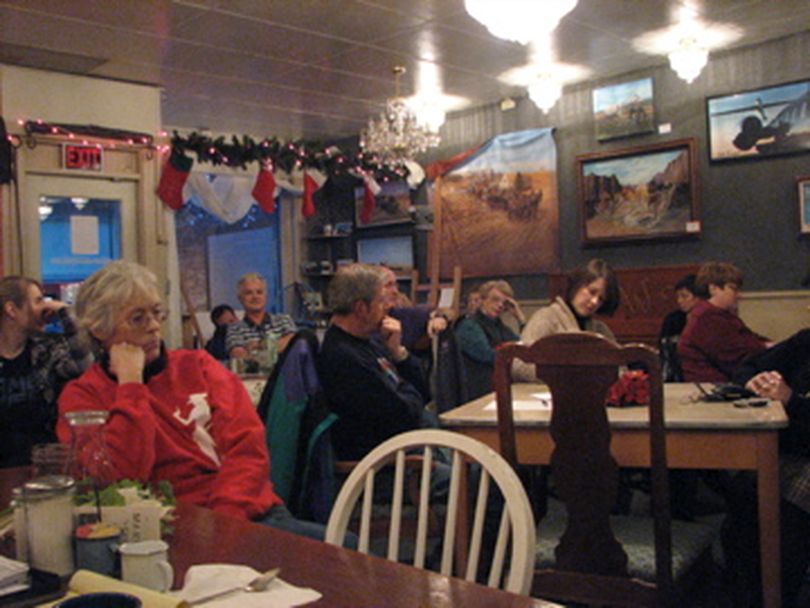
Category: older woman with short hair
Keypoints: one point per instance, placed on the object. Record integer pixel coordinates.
(592, 289)
(480, 333)
(715, 340)
(173, 415)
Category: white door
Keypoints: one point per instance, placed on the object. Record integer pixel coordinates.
(75, 224)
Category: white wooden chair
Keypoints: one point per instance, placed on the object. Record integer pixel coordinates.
(516, 521)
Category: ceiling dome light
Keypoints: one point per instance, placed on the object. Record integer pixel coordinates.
(519, 20)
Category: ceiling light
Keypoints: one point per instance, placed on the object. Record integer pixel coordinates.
(688, 59)
(545, 91)
(397, 136)
(519, 20)
(44, 212)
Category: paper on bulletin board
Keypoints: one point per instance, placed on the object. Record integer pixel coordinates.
(84, 235)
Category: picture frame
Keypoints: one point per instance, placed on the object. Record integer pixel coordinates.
(643, 193)
(759, 123)
(392, 205)
(803, 191)
(624, 110)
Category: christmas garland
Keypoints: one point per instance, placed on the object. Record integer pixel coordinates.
(286, 156)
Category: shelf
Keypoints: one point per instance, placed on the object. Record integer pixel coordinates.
(326, 237)
(319, 274)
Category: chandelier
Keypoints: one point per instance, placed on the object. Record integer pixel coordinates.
(688, 59)
(397, 136)
(519, 20)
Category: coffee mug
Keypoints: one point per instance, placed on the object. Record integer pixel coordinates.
(96, 548)
(146, 563)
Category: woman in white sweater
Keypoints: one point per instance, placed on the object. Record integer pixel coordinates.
(592, 289)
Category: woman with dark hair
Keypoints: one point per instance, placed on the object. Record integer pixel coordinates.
(592, 289)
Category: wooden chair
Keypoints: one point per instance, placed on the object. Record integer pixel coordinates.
(516, 522)
(591, 564)
(430, 292)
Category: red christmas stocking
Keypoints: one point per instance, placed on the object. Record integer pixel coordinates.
(174, 176)
(264, 191)
(313, 180)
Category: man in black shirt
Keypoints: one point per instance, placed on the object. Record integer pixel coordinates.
(34, 367)
(373, 384)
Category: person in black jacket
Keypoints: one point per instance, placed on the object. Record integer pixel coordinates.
(686, 296)
(221, 316)
(373, 383)
(780, 373)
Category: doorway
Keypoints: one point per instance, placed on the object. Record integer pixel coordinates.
(73, 226)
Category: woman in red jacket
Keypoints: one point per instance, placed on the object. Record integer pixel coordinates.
(174, 415)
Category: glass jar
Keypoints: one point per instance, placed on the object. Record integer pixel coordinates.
(43, 523)
(89, 461)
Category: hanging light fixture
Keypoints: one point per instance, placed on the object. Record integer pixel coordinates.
(545, 91)
(688, 59)
(519, 20)
(397, 136)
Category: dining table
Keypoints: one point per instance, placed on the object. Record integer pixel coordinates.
(699, 435)
(343, 577)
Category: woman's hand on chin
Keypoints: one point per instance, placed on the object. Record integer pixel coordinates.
(127, 362)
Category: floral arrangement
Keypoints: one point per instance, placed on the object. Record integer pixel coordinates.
(632, 388)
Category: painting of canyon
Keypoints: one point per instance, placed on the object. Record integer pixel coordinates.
(639, 194)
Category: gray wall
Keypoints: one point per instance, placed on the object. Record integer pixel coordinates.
(749, 209)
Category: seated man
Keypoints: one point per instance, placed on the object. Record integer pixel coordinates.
(246, 335)
(221, 316)
(715, 341)
(418, 321)
(34, 367)
(373, 383)
(780, 373)
(173, 415)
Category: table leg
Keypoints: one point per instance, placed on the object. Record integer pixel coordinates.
(768, 502)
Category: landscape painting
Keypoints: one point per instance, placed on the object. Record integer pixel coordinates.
(760, 123)
(642, 193)
(625, 109)
(497, 215)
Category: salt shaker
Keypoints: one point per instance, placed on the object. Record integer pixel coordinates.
(43, 523)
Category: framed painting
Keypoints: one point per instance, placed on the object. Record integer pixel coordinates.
(803, 185)
(623, 110)
(391, 206)
(759, 123)
(639, 194)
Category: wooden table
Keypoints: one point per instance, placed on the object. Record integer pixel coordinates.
(344, 577)
(699, 436)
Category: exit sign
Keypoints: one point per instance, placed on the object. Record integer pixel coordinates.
(83, 157)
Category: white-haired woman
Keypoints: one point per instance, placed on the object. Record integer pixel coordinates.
(173, 415)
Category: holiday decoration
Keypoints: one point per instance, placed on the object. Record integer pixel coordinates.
(174, 176)
(370, 191)
(265, 189)
(313, 180)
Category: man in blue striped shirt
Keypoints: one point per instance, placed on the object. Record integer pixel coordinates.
(246, 335)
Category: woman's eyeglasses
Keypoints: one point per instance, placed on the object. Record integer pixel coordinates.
(141, 319)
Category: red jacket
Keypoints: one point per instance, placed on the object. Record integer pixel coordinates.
(192, 423)
(714, 343)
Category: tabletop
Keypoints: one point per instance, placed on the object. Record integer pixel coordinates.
(343, 577)
(682, 409)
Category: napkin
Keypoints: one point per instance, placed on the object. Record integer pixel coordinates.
(205, 579)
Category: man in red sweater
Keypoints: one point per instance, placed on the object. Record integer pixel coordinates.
(715, 340)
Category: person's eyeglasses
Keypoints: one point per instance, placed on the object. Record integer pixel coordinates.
(141, 319)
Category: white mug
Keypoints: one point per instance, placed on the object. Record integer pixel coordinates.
(146, 563)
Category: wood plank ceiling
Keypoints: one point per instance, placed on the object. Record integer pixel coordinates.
(319, 68)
